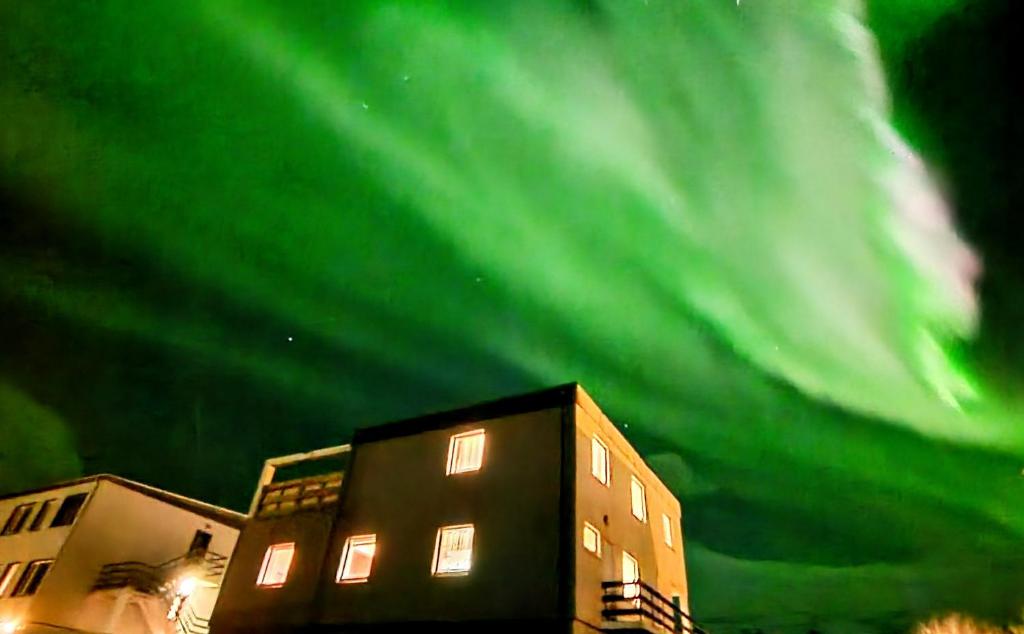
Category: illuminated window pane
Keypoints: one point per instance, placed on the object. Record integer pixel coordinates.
(639, 499)
(453, 552)
(357, 558)
(599, 461)
(591, 539)
(630, 576)
(465, 452)
(276, 564)
(7, 576)
(31, 578)
(666, 526)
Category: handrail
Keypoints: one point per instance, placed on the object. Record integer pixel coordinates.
(645, 601)
(192, 623)
(155, 579)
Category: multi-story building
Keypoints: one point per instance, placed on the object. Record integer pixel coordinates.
(528, 513)
(107, 555)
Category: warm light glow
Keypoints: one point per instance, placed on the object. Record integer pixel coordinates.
(599, 461)
(7, 576)
(591, 539)
(638, 497)
(187, 585)
(453, 551)
(666, 526)
(630, 576)
(357, 559)
(8, 627)
(465, 452)
(276, 564)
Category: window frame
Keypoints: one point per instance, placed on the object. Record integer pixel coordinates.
(30, 579)
(17, 519)
(67, 503)
(456, 441)
(10, 570)
(344, 563)
(265, 566)
(634, 485)
(666, 529)
(606, 476)
(40, 518)
(630, 587)
(435, 564)
(587, 526)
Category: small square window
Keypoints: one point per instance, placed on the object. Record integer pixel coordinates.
(453, 551)
(7, 575)
(68, 510)
(591, 539)
(357, 559)
(31, 578)
(16, 520)
(599, 461)
(465, 452)
(638, 499)
(666, 526)
(276, 564)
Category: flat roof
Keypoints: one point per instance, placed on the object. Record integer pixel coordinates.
(203, 509)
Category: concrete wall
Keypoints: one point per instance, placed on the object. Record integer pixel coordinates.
(608, 508)
(398, 490)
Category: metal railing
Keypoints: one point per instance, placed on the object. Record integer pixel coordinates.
(188, 622)
(635, 601)
(158, 578)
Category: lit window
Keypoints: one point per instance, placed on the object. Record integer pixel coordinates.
(465, 452)
(639, 499)
(666, 526)
(453, 552)
(31, 578)
(17, 518)
(599, 460)
(7, 576)
(357, 559)
(276, 564)
(591, 539)
(630, 576)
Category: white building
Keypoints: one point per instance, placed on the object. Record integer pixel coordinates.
(107, 555)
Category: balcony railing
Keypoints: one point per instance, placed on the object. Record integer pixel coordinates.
(637, 604)
(159, 578)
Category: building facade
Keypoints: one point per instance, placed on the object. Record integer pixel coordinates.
(531, 512)
(108, 555)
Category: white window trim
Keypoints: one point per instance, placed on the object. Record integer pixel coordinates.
(450, 468)
(356, 540)
(607, 475)
(266, 564)
(597, 533)
(631, 587)
(437, 551)
(666, 527)
(634, 482)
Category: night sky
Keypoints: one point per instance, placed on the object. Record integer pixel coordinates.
(778, 239)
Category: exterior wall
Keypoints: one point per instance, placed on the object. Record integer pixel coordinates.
(27, 546)
(116, 524)
(608, 508)
(398, 490)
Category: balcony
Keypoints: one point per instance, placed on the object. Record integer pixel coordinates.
(637, 607)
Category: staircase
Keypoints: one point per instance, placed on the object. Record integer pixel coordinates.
(634, 606)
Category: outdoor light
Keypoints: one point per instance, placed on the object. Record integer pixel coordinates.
(8, 627)
(186, 586)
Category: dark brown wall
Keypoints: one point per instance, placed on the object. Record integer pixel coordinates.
(397, 489)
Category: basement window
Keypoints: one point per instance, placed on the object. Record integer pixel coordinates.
(69, 509)
(638, 499)
(276, 564)
(599, 461)
(591, 539)
(666, 527)
(31, 578)
(453, 551)
(357, 559)
(465, 452)
(16, 520)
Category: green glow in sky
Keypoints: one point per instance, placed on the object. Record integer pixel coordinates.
(698, 209)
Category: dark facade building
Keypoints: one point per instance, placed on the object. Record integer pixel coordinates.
(531, 512)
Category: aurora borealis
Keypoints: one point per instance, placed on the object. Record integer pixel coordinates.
(232, 230)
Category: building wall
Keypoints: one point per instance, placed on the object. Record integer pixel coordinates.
(608, 508)
(117, 524)
(27, 546)
(398, 490)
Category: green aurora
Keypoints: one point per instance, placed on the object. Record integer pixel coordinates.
(246, 228)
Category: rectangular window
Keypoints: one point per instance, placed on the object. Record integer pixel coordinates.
(7, 575)
(68, 510)
(453, 551)
(357, 559)
(638, 498)
(591, 539)
(599, 461)
(465, 452)
(31, 578)
(44, 510)
(630, 576)
(276, 564)
(16, 520)
(666, 527)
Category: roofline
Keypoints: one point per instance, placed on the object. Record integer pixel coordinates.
(220, 514)
(508, 406)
